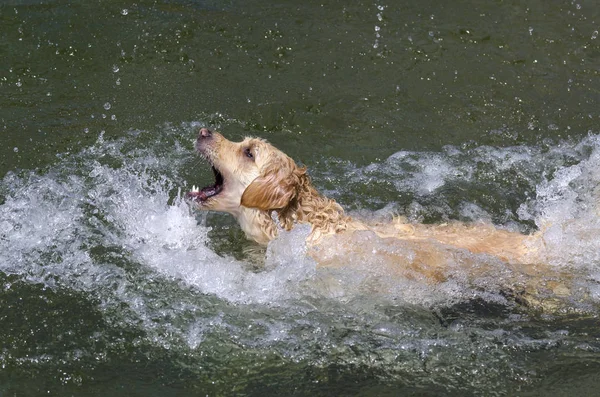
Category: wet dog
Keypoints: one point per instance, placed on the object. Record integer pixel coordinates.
(266, 191)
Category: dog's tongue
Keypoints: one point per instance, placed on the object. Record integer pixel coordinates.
(196, 196)
(201, 195)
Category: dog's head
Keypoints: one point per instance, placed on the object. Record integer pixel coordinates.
(250, 174)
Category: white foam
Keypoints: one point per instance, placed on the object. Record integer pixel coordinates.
(422, 172)
(566, 209)
(474, 213)
(39, 225)
(198, 266)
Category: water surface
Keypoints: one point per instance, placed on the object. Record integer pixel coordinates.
(483, 112)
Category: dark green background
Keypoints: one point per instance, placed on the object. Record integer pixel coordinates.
(337, 85)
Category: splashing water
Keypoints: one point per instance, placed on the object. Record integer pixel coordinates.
(110, 222)
(51, 221)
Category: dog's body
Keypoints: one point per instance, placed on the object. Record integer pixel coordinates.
(265, 190)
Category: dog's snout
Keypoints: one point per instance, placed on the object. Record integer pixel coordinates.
(205, 133)
(205, 139)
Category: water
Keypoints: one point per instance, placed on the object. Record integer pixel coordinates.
(109, 285)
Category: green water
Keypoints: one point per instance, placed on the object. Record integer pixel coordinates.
(99, 104)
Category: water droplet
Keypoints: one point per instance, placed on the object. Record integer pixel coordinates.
(16, 149)
(124, 11)
(107, 106)
(595, 35)
(115, 69)
(113, 117)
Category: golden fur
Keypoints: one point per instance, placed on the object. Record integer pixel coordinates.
(265, 190)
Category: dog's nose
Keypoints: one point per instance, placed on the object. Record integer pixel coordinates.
(205, 133)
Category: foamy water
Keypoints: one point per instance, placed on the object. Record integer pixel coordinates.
(110, 222)
(558, 184)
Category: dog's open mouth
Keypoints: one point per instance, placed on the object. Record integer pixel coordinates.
(201, 195)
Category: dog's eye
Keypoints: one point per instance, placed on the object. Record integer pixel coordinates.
(248, 153)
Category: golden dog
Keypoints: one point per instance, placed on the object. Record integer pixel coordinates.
(265, 190)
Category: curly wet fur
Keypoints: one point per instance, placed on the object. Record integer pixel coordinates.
(303, 204)
(289, 185)
(325, 215)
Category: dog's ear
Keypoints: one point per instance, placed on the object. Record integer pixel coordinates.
(269, 192)
(273, 190)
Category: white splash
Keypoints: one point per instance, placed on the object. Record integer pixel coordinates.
(52, 222)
